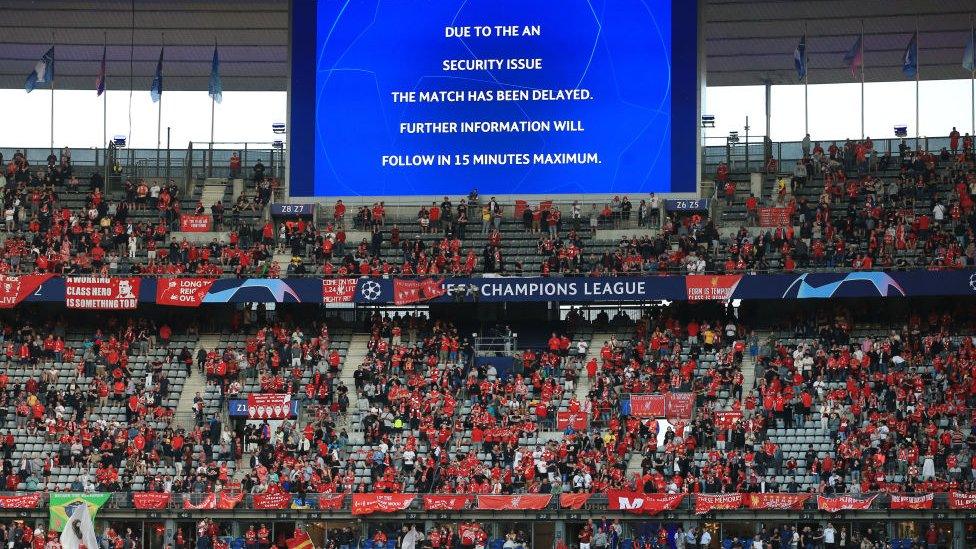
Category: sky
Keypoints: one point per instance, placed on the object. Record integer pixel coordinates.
(834, 113)
(835, 110)
(240, 117)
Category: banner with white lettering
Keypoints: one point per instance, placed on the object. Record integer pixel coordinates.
(338, 290)
(268, 406)
(640, 503)
(102, 293)
(15, 289)
(182, 292)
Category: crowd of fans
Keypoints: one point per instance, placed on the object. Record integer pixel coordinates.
(850, 208)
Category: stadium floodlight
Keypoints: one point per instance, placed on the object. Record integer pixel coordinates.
(708, 121)
(119, 141)
(901, 130)
(278, 144)
(733, 136)
(278, 127)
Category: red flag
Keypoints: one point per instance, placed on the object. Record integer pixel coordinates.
(299, 541)
(705, 503)
(367, 504)
(405, 292)
(576, 420)
(15, 289)
(99, 292)
(638, 503)
(272, 499)
(844, 503)
(26, 501)
(446, 502)
(573, 501)
(711, 287)
(923, 501)
(331, 502)
(514, 503)
(228, 501)
(432, 288)
(962, 500)
(788, 502)
(647, 405)
(150, 500)
(208, 502)
(268, 406)
(195, 223)
(182, 292)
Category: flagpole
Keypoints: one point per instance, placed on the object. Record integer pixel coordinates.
(159, 115)
(213, 104)
(917, 69)
(862, 78)
(806, 82)
(52, 93)
(105, 98)
(972, 75)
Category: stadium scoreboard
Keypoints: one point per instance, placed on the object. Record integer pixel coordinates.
(512, 97)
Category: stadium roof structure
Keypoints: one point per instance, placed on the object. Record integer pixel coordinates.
(746, 41)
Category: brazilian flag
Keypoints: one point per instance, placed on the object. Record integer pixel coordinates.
(63, 504)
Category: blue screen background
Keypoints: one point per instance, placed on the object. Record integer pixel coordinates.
(620, 50)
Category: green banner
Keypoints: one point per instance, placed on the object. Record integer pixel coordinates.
(62, 504)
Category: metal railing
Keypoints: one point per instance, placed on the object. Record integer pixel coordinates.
(752, 155)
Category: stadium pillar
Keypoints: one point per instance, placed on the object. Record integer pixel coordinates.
(767, 151)
(169, 532)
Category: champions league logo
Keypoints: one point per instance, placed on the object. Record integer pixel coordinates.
(801, 288)
(370, 290)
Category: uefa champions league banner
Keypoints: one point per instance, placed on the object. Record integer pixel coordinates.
(509, 289)
(124, 292)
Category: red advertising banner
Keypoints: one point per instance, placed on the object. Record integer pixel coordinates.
(195, 223)
(679, 405)
(272, 499)
(577, 420)
(962, 500)
(367, 504)
(446, 503)
(26, 501)
(844, 503)
(519, 502)
(727, 419)
(209, 502)
(331, 502)
(268, 406)
(97, 292)
(705, 503)
(573, 501)
(638, 503)
(338, 290)
(672, 405)
(406, 292)
(774, 217)
(15, 289)
(717, 287)
(647, 405)
(182, 292)
(786, 502)
(923, 501)
(150, 500)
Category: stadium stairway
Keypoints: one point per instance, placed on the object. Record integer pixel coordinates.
(195, 383)
(358, 349)
(214, 189)
(748, 376)
(583, 384)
